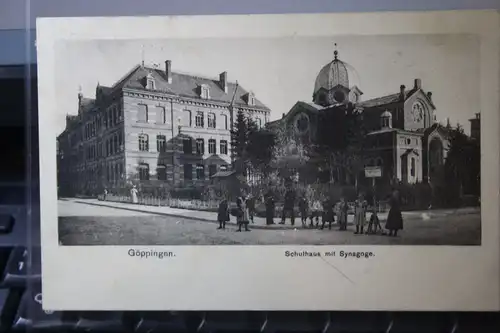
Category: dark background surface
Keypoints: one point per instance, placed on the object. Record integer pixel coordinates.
(19, 190)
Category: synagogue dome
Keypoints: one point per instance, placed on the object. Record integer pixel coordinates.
(336, 72)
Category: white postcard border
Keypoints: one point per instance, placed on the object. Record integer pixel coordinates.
(260, 277)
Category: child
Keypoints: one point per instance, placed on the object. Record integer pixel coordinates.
(223, 214)
(374, 223)
(315, 213)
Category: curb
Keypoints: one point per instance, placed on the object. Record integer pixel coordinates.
(251, 226)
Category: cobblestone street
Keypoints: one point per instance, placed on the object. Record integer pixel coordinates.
(84, 224)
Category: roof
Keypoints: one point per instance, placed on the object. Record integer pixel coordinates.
(384, 100)
(186, 85)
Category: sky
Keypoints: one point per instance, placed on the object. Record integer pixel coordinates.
(282, 71)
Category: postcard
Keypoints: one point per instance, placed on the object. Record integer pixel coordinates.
(305, 161)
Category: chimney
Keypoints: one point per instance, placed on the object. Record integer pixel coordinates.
(402, 92)
(429, 95)
(223, 81)
(282, 116)
(418, 84)
(168, 70)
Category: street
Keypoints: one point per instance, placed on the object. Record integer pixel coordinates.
(83, 224)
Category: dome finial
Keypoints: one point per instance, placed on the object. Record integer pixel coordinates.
(336, 52)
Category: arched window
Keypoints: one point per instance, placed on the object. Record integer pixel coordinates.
(200, 146)
(143, 142)
(150, 82)
(211, 146)
(223, 147)
(412, 167)
(211, 120)
(144, 171)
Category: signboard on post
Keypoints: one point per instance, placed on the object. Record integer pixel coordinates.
(373, 172)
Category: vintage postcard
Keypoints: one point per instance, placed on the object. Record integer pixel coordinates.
(183, 158)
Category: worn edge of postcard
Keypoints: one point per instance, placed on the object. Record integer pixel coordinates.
(208, 277)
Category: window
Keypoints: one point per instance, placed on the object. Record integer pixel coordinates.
(211, 120)
(200, 146)
(259, 123)
(150, 82)
(211, 146)
(108, 151)
(143, 142)
(412, 170)
(115, 115)
(120, 115)
(186, 118)
(223, 147)
(187, 145)
(188, 171)
(115, 144)
(205, 92)
(251, 99)
(161, 172)
(200, 171)
(224, 121)
(161, 143)
(120, 170)
(212, 169)
(144, 171)
(160, 115)
(142, 115)
(199, 119)
(117, 171)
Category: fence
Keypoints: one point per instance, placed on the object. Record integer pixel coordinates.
(195, 204)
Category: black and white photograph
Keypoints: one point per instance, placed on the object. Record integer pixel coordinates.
(343, 140)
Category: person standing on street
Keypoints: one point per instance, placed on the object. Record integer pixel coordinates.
(242, 217)
(328, 213)
(223, 214)
(270, 206)
(303, 208)
(251, 207)
(395, 218)
(360, 214)
(133, 194)
(343, 210)
(288, 207)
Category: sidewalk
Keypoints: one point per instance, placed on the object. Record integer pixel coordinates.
(260, 222)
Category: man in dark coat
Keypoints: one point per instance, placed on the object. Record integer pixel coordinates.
(288, 207)
(270, 206)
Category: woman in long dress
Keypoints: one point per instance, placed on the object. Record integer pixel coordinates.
(133, 194)
(395, 218)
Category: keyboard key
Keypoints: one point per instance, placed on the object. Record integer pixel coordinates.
(344, 321)
(297, 321)
(16, 272)
(229, 321)
(101, 321)
(160, 321)
(30, 315)
(9, 303)
(6, 223)
(416, 322)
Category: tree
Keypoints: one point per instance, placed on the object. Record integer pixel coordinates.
(338, 149)
(260, 148)
(462, 166)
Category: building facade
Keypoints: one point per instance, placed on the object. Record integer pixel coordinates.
(403, 137)
(154, 126)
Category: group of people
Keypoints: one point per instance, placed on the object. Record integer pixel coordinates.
(329, 211)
